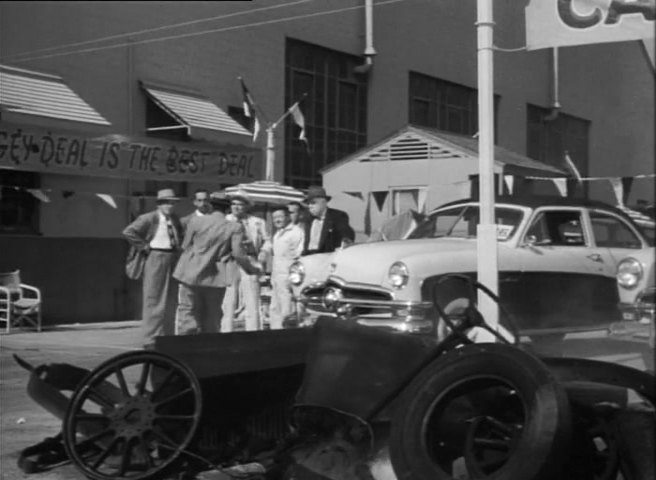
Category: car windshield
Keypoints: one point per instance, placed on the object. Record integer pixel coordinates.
(461, 221)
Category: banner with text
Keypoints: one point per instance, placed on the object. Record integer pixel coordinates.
(556, 23)
(40, 150)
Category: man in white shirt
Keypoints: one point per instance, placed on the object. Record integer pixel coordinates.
(159, 235)
(246, 286)
(286, 247)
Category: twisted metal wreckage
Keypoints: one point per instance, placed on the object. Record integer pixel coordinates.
(327, 402)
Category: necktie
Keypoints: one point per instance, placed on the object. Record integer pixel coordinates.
(172, 234)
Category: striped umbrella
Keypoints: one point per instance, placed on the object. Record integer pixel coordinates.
(267, 192)
(638, 217)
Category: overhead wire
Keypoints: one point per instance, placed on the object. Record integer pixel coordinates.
(154, 29)
(204, 32)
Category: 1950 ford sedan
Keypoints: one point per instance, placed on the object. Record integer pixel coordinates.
(555, 275)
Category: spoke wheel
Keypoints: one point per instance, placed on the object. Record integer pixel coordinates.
(132, 417)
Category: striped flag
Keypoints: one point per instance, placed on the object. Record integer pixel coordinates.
(299, 119)
(249, 108)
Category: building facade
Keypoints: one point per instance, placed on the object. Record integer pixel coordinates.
(152, 88)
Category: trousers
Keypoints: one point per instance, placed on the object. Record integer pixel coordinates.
(281, 300)
(199, 309)
(159, 296)
(244, 291)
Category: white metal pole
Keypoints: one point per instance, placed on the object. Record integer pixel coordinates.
(487, 240)
(270, 153)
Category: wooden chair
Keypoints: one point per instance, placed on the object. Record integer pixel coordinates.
(20, 304)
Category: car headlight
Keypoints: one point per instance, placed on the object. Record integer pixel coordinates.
(629, 273)
(397, 275)
(296, 273)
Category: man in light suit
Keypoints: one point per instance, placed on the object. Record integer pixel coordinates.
(247, 285)
(327, 229)
(158, 234)
(206, 267)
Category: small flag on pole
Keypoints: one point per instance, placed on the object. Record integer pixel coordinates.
(249, 108)
(39, 194)
(572, 167)
(299, 119)
(108, 199)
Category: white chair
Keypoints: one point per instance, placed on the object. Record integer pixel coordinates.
(20, 304)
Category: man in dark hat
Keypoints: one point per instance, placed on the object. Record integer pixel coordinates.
(158, 234)
(327, 229)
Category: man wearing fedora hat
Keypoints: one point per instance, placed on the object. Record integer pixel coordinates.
(246, 287)
(158, 235)
(327, 229)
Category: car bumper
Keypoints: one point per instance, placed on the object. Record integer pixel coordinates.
(373, 308)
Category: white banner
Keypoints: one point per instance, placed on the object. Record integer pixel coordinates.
(556, 23)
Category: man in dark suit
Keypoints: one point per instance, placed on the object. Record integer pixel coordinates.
(206, 267)
(158, 234)
(327, 229)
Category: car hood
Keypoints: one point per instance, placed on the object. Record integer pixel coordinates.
(369, 262)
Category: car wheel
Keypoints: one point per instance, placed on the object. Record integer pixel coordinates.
(482, 411)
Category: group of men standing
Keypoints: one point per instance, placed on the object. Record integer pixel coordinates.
(199, 269)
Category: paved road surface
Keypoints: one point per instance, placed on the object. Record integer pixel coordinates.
(24, 423)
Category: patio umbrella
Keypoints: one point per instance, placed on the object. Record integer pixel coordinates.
(638, 217)
(267, 192)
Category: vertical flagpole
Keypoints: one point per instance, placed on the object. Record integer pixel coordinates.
(270, 152)
(487, 239)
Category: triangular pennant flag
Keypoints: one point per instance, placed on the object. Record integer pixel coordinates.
(355, 194)
(561, 185)
(618, 188)
(299, 119)
(249, 108)
(367, 216)
(572, 167)
(67, 193)
(627, 183)
(380, 199)
(108, 199)
(37, 193)
(421, 202)
(510, 183)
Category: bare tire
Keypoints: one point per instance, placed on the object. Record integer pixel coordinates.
(487, 411)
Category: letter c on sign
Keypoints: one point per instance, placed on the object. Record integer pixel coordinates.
(573, 19)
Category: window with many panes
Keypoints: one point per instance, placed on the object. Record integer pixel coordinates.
(548, 139)
(19, 209)
(335, 110)
(447, 106)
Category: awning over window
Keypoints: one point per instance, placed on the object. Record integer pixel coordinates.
(33, 93)
(192, 110)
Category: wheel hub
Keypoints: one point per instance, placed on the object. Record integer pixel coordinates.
(133, 417)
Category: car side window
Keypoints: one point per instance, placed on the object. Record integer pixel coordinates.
(556, 227)
(612, 232)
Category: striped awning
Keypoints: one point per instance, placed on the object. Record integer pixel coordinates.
(266, 192)
(192, 110)
(34, 93)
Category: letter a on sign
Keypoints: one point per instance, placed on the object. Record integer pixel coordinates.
(557, 23)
